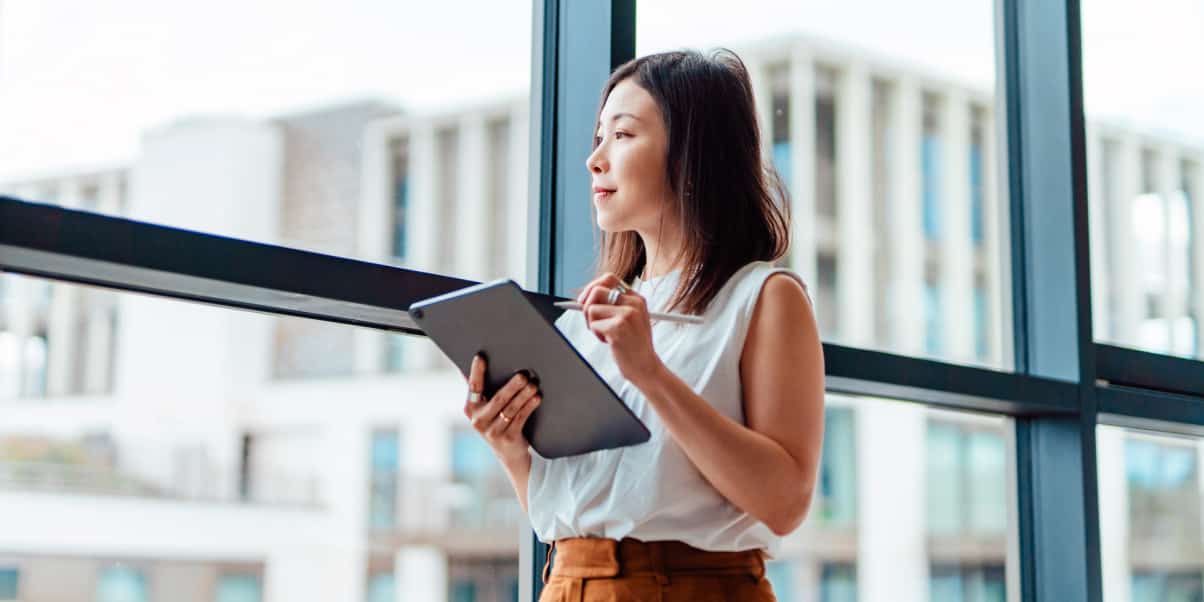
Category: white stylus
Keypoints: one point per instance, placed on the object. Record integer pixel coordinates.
(652, 314)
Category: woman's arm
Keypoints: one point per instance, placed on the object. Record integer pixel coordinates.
(519, 470)
(767, 468)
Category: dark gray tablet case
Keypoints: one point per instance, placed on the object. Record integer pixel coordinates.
(579, 413)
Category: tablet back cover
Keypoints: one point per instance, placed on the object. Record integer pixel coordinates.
(579, 413)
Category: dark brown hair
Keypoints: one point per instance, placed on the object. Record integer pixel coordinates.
(732, 207)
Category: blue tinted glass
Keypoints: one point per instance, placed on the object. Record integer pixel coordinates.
(401, 193)
(976, 190)
(932, 319)
(239, 588)
(981, 343)
(8, 584)
(781, 575)
(471, 456)
(381, 588)
(464, 591)
(945, 585)
(943, 448)
(120, 584)
(386, 450)
(838, 583)
(1141, 463)
(930, 153)
(838, 472)
(1178, 467)
(781, 161)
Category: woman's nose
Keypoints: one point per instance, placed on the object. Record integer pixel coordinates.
(596, 162)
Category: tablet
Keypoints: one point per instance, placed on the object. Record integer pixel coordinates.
(579, 412)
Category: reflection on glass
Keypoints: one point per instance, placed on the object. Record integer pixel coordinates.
(239, 588)
(1150, 516)
(1145, 162)
(121, 584)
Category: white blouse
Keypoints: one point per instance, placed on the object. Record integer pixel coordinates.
(652, 491)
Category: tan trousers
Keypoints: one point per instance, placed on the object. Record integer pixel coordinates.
(605, 570)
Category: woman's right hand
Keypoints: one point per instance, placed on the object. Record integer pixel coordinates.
(500, 419)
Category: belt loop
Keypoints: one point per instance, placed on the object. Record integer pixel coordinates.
(657, 550)
(547, 563)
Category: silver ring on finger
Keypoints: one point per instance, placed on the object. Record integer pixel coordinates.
(623, 288)
(474, 396)
(613, 297)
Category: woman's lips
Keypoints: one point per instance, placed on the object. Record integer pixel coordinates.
(602, 194)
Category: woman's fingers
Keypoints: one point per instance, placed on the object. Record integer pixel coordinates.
(476, 384)
(507, 414)
(516, 425)
(484, 418)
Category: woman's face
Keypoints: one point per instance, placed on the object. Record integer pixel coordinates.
(627, 169)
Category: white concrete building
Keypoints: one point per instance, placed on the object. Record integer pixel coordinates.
(158, 450)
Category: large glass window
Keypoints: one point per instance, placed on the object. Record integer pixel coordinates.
(912, 504)
(884, 131)
(1150, 516)
(1145, 163)
(325, 482)
(9, 582)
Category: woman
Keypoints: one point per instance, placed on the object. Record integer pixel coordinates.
(735, 405)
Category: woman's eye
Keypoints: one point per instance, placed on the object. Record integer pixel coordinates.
(597, 140)
(620, 134)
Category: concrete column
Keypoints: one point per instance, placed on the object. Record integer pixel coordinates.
(957, 250)
(892, 553)
(517, 229)
(854, 114)
(802, 165)
(1126, 185)
(111, 190)
(473, 235)
(99, 340)
(61, 339)
(421, 574)
(374, 230)
(995, 232)
(1097, 222)
(1195, 194)
(1174, 296)
(905, 293)
(762, 87)
(1113, 513)
(422, 229)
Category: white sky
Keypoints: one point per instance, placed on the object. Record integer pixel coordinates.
(79, 81)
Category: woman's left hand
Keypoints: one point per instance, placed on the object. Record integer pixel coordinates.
(625, 326)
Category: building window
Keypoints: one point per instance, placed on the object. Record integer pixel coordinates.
(838, 469)
(932, 318)
(385, 472)
(382, 587)
(1164, 500)
(826, 309)
(961, 583)
(825, 144)
(484, 579)
(35, 356)
(838, 583)
(977, 180)
(239, 588)
(400, 150)
(1187, 586)
(780, 122)
(121, 584)
(490, 502)
(931, 172)
(781, 575)
(967, 475)
(982, 342)
(9, 581)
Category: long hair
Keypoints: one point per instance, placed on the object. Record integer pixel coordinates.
(732, 208)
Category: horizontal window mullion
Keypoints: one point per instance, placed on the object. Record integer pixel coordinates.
(1150, 410)
(1146, 370)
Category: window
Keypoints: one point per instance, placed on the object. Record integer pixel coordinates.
(382, 587)
(9, 583)
(1150, 515)
(966, 479)
(121, 584)
(968, 584)
(386, 466)
(838, 583)
(239, 588)
(837, 499)
(894, 136)
(1144, 146)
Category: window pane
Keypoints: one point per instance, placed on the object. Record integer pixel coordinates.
(351, 128)
(885, 133)
(8, 583)
(931, 523)
(1149, 502)
(366, 486)
(1145, 162)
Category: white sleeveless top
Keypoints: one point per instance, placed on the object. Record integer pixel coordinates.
(652, 491)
